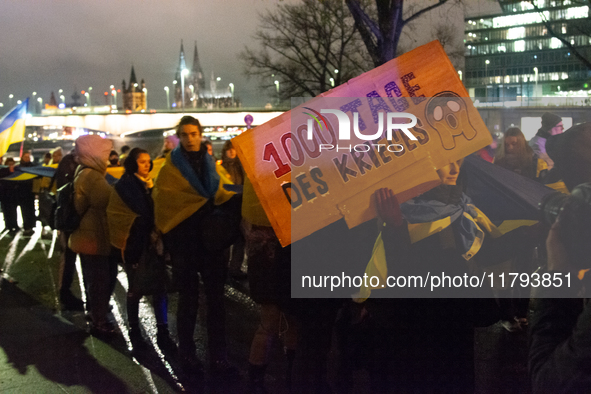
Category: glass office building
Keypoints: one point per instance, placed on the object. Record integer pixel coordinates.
(514, 54)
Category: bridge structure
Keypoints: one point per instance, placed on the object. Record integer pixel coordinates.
(122, 124)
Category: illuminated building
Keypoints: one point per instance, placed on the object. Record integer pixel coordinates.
(195, 94)
(514, 54)
(134, 95)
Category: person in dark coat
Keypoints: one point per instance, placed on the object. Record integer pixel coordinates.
(8, 196)
(64, 174)
(186, 192)
(426, 345)
(26, 197)
(233, 168)
(131, 228)
(560, 332)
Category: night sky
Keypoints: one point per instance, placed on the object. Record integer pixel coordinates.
(47, 45)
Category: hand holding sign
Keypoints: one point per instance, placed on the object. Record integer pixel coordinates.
(391, 127)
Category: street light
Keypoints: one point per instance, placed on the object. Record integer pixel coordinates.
(536, 76)
(331, 82)
(89, 90)
(10, 96)
(183, 73)
(63, 98)
(231, 86)
(34, 94)
(113, 93)
(460, 74)
(87, 95)
(167, 97)
(486, 63)
(40, 100)
(146, 96)
(19, 102)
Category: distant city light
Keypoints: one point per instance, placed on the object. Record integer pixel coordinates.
(61, 106)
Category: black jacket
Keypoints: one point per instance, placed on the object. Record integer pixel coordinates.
(560, 343)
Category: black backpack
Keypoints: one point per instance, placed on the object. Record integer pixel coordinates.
(66, 217)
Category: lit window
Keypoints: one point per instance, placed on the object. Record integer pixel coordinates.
(555, 43)
(515, 33)
(577, 12)
(519, 46)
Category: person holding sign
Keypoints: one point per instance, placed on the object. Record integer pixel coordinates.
(186, 194)
(431, 340)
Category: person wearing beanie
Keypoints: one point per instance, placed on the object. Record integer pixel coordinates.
(571, 153)
(551, 125)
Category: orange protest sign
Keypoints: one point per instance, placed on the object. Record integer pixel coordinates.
(393, 126)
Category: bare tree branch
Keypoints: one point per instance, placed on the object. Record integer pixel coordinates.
(381, 38)
(301, 46)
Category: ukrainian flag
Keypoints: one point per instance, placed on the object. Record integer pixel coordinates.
(12, 127)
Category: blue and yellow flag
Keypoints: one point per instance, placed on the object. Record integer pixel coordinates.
(12, 126)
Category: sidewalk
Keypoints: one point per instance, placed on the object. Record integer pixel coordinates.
(46, 350)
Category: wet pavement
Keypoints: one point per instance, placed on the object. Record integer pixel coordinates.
(44, 349)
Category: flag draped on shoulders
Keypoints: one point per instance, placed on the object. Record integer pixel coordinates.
(178, 194)
(12, 126)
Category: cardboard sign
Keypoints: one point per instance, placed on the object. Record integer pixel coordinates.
(393, 127)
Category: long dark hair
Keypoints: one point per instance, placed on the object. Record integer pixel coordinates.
(522, 161)
(233, 166)
(130, 163)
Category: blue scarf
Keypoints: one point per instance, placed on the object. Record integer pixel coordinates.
(420, 210)
(208, 185)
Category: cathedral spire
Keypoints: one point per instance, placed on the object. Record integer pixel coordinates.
(132, 78)
(182, 64)
(197, 70)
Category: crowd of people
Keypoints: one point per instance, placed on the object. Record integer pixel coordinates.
(203, 218)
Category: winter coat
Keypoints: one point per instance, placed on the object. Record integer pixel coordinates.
(560, 334)
(91, 197)
(131, 217)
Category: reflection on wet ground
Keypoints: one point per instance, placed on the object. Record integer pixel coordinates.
(46, 349)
